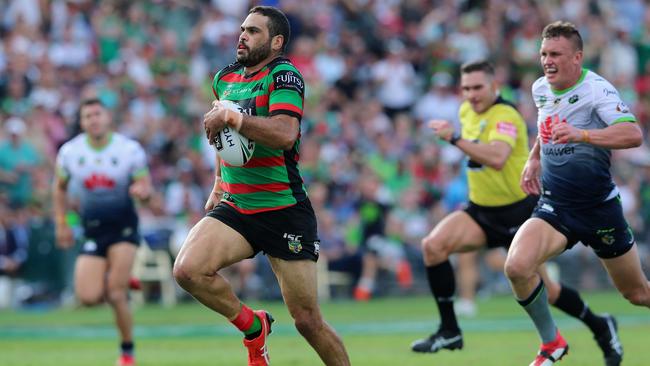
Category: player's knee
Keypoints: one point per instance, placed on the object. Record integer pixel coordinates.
(637, 297)
(116, 295)
(90, 299)
(183, 274)
(433, 251)
(308, 322)
(516, 269)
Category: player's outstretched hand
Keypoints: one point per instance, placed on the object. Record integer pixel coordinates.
(64, 236)
(530, 177)
(442, 128)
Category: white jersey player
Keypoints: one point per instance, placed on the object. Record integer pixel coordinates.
(104, 169)
(581, 118)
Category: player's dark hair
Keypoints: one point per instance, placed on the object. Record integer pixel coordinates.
(564, 29)
(91, 101)
(480, 65)
(278, 23)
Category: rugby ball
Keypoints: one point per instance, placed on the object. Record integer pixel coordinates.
(232, 147)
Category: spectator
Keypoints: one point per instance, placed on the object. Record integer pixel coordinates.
(18, 159)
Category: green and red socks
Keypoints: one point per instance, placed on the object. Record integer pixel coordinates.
(248, 323)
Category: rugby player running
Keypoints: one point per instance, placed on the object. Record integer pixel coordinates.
(262, 206)
(104, 170)
(580, 118)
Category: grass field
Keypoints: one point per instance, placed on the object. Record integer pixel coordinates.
(375, 333)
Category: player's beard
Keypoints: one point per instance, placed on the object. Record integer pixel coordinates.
(255, 55)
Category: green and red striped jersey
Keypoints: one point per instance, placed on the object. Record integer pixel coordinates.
(271, 180)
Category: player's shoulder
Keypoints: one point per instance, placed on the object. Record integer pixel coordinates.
(540, 85)
(125, 142)
(227, 70)
(285, 75)
(74, 144)
(465, 110)
(503, 109)
(464, 106)
(280, 64)
(600, 86)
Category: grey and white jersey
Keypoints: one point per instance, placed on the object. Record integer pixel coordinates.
(100, 178)
(577, 174)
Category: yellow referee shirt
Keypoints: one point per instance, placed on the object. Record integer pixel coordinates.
(501, 122)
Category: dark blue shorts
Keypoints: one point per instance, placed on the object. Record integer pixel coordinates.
(603, 227)
(289, 233)
(99, 237)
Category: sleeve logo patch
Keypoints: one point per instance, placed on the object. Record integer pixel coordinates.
(289, 80)
(507, 128)
(622, 108)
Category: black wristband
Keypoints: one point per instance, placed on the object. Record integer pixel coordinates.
(454, 138)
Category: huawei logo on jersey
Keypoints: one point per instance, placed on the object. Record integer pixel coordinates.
(546, 127)
(98, 181)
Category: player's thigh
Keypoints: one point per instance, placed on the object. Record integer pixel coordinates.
(89, 277)
(120, 258)
(297, 279)
(212, 245)
(457, 232)
(535, 242)
(626, 271)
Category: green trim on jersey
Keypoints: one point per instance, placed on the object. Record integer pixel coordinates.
(624, 119)
(142, 172)
(564, 91)
(100, 148)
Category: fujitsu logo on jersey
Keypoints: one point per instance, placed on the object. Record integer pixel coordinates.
(288, 78)
(98, 181)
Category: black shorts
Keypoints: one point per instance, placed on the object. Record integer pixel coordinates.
(603, 227)
(500, 223)
(289, 233)
(97, 239)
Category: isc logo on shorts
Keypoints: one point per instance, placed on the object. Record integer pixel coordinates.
(295, 246)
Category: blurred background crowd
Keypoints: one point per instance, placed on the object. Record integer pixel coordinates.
(376, 71)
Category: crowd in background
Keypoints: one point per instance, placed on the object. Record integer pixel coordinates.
(375, 70)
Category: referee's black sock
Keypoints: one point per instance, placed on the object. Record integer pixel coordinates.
(571, 303)
(127, 348)
(443, 286)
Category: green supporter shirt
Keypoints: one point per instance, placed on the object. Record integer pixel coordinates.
(271, 180)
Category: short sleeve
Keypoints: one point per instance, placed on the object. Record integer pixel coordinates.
(609, 106)
(287, 90)
(215, 80)
(506, 127)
